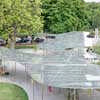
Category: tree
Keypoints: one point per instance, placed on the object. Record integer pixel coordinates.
(20, 17)
(93, 16)
(64, 15)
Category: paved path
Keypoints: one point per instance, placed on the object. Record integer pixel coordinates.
(34, 91)
(19, 77)
(94, 95)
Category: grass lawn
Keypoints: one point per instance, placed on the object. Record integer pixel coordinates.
(12, 92)
(25, 46)
(97, 49)
(98, 63)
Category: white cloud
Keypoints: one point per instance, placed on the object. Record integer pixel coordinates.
(92, 0)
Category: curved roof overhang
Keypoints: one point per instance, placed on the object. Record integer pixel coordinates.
(55, 70)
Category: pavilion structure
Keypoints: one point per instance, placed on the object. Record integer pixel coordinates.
(62, 64)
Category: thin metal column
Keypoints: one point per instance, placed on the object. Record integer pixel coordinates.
(68, 96)
(42, 92)
(15, 68)
(74, 94)
(77, 94)
(33, 88)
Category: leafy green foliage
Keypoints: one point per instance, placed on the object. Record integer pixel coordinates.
(65, 15)
(23, 17)
(93, 10)
(20, 17)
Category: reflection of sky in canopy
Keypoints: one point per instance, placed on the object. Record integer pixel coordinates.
(62, 41)
(65, 70)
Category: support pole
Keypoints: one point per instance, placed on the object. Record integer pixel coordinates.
(77, 94)
(15, 68)
(42, 92)
(68, 96)
(74, 94)
(33, 89)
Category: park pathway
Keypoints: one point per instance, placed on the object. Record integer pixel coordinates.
(18, 77)
(22, 79)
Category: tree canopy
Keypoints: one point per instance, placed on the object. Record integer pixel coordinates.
(94, 14)
(20, 17)
(65, 15)
(27, 17)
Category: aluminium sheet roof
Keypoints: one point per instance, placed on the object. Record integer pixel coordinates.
(63, 41)
(62, 70)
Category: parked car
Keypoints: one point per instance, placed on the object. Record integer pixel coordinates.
(90, 36)
(18, 39)
(51, 37)
(38, 40)
(22, 40)
(2, 42)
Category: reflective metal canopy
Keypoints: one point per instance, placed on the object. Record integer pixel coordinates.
(58, 66)
(63, 41)
(64, 70)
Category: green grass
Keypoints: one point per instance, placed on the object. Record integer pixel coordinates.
(97, 49)
(12, 92)
(26, 46)
(98, 63)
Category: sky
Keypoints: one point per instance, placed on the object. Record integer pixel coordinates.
(92, 0)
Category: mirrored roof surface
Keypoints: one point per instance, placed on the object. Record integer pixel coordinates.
(72, 76)
(63, 41)
(68, 69)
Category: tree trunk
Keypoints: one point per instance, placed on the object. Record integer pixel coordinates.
(96, 33)
(12, 39)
